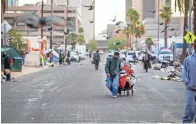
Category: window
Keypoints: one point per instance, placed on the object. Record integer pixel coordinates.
(20, 24)
(165, 52)
(71, 11)
(58, 11)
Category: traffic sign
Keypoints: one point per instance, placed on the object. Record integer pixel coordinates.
(190, 37)
(7, 28)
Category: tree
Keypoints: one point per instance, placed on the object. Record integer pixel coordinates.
(92, 45)
(74, 39)
(183, 7)
(16, 40)
(116, 43)
(149, 43)
(139, 31)
(81, 39)
(81, 30)
(134, 19)
(166, 14)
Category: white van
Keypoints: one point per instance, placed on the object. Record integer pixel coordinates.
(165, 55)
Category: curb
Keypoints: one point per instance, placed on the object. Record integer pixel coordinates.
(25, 73)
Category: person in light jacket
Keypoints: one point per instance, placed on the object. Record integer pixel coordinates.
(189, 78)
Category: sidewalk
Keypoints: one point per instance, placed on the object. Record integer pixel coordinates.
(27, 70)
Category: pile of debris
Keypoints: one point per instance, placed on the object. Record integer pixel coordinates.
(174, 72)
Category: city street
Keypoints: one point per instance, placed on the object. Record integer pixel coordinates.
(77, 93)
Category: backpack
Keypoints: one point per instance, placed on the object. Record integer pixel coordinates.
(146, 57)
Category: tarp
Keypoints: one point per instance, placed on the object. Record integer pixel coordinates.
(55, 57)
(32, 59)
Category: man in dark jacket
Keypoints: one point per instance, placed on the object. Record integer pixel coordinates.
(68, 58)
(96, 59)
(112, 69)
(146, 61)
(7, 67)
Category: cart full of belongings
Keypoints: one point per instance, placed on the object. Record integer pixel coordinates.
(126, 80)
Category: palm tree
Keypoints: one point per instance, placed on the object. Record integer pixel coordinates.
(183, 7)
(134, 19)
(166, 13)
(139, 32)
(149, 43)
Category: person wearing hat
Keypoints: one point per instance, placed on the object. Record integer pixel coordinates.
(112, 69)
(7, 67)
(189, 78)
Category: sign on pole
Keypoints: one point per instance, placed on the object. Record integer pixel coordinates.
(8, 26)
(190, 37)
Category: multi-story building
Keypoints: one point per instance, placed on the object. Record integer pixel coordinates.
(89, 28)
(14, 12)
(12, 2)
(144, 7)
(111, 28)
(86, 15)
(148, 10)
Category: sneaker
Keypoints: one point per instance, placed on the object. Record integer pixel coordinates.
(114, 96)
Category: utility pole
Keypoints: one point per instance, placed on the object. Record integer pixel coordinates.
(94, 22)
(42, 11)
(51, 32)
(190, 11)
(66, 40)
(158, 23)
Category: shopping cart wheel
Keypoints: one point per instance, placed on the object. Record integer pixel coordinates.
(132, 92)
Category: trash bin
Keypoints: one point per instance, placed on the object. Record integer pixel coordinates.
(14, 56)
(17, 64)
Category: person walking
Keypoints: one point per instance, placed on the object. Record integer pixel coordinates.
(51, 56)
(189, 78)
(134, 58)
(7, 67)
(146, 61)
(112, 69)
(68, 58)
(60, 57)
(96, 59)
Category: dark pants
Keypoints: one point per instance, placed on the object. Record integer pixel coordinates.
(8, 76)
(96, 64)
(60, 60)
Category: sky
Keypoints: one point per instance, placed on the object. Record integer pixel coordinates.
(105, 11)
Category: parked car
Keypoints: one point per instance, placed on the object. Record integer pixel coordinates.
(101, 52)
(109, 55)
(74, 56)
(129, 56)
(82, 56)
(123, 54)
(87, 53)
(165, 55)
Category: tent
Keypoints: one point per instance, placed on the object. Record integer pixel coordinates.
(55, 57)
(32, 59)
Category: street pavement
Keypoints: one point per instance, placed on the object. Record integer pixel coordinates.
(77, 93)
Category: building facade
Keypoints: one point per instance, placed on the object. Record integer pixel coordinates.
(145, 7)
(89, 28)
(14, 12)
(12, 2)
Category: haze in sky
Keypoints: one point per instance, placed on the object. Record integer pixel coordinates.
(105, 11)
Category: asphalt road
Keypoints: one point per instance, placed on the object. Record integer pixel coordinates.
(77, 93)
